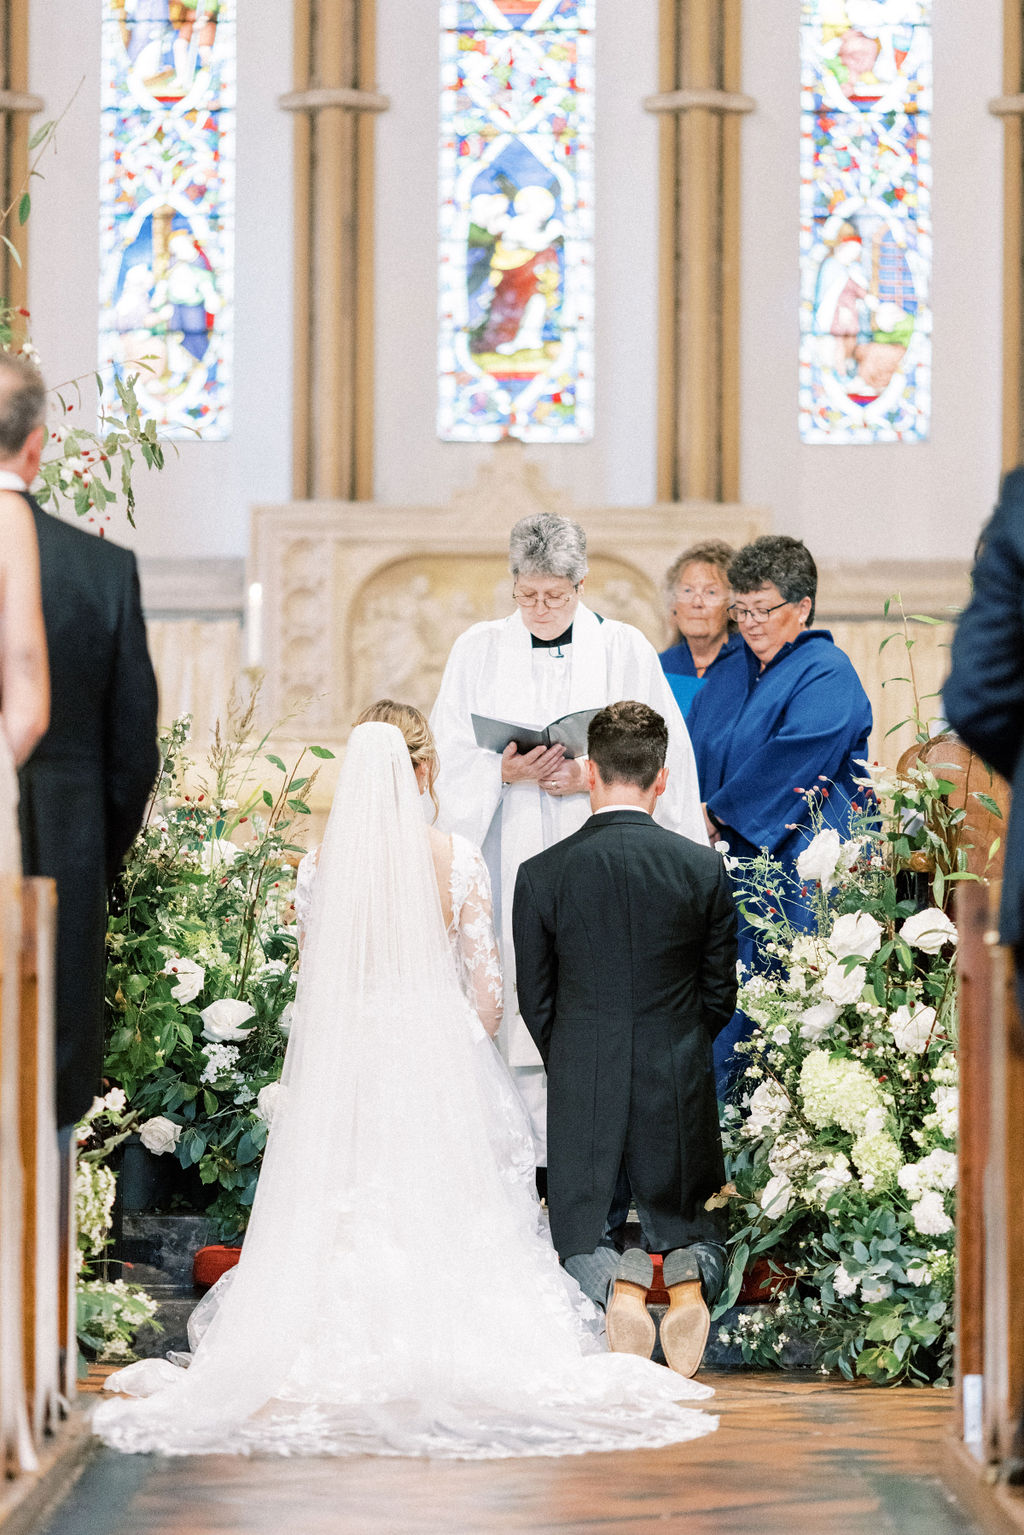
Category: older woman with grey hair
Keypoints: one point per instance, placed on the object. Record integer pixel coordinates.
(783, 717)
(552, 656)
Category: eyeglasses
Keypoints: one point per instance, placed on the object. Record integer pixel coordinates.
(535, 600)
(755, 615)
(708, 593)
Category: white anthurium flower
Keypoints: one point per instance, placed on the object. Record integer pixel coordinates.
(929, 930)
(190, 978)
(159, 1135)
(777, 1196)
(817, 863)
(843, 987)
(856, 932)
(223, 1020)
(266, 1101)
(816, 1021)
(912, 1030)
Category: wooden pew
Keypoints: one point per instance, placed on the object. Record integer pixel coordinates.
(34, 1295)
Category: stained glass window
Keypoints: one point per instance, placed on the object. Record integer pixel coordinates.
(167, 209)
(865, 227)
(516, 231)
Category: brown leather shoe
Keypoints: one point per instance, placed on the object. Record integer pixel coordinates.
(687, 1322)
(629, 1325)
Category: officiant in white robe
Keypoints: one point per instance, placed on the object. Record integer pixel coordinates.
(552, 657)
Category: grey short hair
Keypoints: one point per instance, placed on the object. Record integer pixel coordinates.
(786, 562)
(22, 402)
(548, 545)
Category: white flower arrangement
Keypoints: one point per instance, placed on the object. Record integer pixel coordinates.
(840, 1142)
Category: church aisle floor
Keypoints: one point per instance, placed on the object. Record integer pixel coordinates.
(793, 1454)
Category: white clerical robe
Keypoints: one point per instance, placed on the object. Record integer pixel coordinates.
(494, 670)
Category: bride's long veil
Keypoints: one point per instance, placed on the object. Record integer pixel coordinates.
(394, 1294)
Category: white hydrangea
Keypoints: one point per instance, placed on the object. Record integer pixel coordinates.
(842, 987)
(938, 1170)
(928, 930)
(856, 932)
(929, 1215)
(817, 863)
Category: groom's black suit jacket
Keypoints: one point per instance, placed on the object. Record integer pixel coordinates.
(625, 938)
(84, 789)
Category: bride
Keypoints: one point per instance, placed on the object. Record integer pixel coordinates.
(397, 1292)
(24, 678)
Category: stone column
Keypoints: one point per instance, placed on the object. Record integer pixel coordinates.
(701, 106)
(16, 107)
(1010, 107)
(333, 103)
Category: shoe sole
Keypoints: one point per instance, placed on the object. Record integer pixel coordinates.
(685, 1327)
(629, 1325)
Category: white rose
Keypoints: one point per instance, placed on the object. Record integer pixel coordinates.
(287, 1018)
(842, 1284)
(919, 1274)
(928, 930)
(159, 1135)
(842, 988)
(217, 852)
(266, 1101)
(876, 1292)
(817, 863)
(856, 932)
(191, 978)
(817, 1020)
(912, 1031)
(223, 1019)
(929, 1215)
(777, 1196)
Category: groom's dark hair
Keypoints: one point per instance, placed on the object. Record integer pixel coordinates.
(627, 743)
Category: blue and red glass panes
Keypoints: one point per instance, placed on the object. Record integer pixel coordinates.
(865, 221)
(516, 224)
(167, 210)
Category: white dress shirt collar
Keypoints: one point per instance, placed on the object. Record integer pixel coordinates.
(9, 481)
(605, 809)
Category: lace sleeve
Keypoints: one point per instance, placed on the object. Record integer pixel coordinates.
(474, 924)
(305, 880)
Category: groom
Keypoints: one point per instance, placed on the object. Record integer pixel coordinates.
(625, 938)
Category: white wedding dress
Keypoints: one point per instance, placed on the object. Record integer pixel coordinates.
(397, 1292)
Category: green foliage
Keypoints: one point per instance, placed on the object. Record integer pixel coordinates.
(840, 1146)
(204, 917)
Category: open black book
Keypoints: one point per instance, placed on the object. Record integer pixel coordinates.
(570, 731)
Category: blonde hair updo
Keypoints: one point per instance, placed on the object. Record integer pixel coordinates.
(415, 729)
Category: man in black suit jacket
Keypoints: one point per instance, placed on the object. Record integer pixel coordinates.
(625, 938)
(84, 789)
(984, 696)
